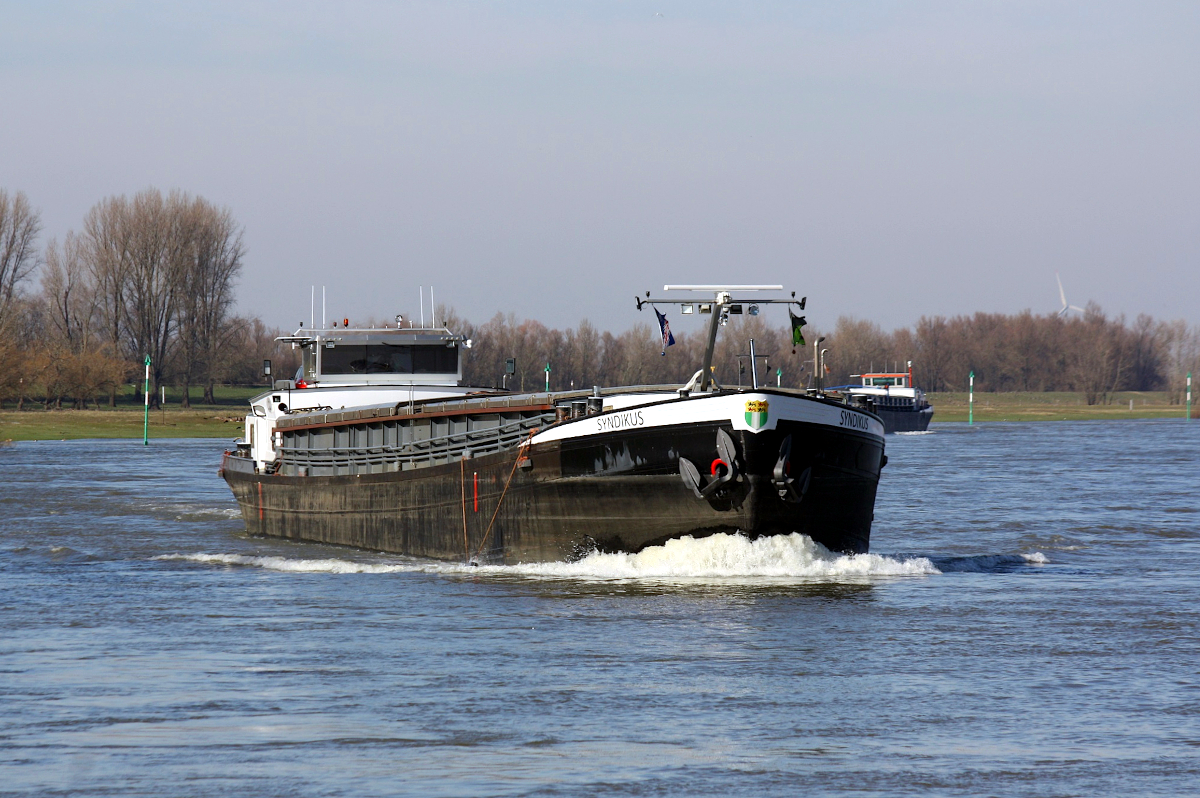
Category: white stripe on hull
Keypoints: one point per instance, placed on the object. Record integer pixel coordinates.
(733, 408)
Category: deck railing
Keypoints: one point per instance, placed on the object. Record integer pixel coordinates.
(333, 460)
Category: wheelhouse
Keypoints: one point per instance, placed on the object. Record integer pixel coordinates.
(885, 380)
(378, 357)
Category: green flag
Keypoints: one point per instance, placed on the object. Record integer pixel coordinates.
(798, 323)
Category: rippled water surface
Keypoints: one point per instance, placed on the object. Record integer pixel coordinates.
(1028, 624)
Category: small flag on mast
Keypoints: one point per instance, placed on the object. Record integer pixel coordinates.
(798, 323)
(665, 328)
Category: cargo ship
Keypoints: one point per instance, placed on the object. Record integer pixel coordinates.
(892, 396)
(377, 444)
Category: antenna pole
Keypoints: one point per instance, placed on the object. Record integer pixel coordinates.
(816, 372)
(422, 290)
(720, 310)
(432, 307)
(706, 369)
(753, 367)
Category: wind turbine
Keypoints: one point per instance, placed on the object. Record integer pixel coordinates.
(1062, 295)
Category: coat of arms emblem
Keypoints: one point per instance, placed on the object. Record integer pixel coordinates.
(756, 413)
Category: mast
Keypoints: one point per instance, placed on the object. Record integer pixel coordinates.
(753, 367)
(722, 300)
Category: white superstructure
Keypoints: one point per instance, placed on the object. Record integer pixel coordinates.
(358, 368)
(889, 383)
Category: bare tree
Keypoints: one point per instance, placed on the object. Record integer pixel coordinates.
(933, 351)
(163, 269)
(246, 344)
(19, 366)
(161, 243)
(78, 362)
(1147, 354)
(206, 297)
(19, 228)
(856, 346)
(1092, 354)
(72, 303)
(1181, 355)
(108, 236)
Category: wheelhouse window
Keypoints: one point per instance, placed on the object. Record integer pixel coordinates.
(389, 359)
(308, 363)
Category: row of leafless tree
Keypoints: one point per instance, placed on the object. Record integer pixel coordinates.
(1090, 353)
(149, 275)
(154, 274)
(585, 356)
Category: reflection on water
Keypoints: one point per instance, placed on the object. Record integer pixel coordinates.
(1025, 625)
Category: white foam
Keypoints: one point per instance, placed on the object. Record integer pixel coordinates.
(720, 557)
(916, 432)
(1037, 558)
(330, 566)
(195, 511)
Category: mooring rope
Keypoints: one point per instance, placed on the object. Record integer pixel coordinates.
(503, 493)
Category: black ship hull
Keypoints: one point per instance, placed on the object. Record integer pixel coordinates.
(615, 491)
(905, 420)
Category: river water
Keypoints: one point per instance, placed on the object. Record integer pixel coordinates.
(1027, 624)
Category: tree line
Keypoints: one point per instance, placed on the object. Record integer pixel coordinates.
(1090, 353)
(155, 274)
(148, 275)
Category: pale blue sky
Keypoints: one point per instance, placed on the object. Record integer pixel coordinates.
(552, 159)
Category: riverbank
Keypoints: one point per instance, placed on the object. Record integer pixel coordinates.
(1055, 406)
(52, 425)
(221, 420)
(225, 421)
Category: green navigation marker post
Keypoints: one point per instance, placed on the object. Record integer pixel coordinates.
(971, 402)
(146, 415)
(547, 378)
(778, 376)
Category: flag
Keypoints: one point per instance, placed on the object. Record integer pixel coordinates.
(665, 327)
(798, 323)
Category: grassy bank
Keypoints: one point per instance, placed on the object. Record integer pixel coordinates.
(129, 396)
(1057, 406)
(220, 420)
(47, 425)
(224, 420)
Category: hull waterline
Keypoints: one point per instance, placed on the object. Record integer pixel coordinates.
(620, 491)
